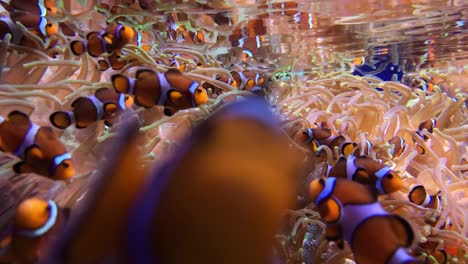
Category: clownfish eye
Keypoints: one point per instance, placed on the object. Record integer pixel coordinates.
(305, 133)
(49, 9)
(199, 90)
(126, 97)
(390, 176)
(65, 164)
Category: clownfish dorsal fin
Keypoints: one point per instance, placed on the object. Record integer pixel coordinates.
(403, 230)
(60, 120)
(78, 47)
(141, 72)
(417, 194)
(100, 92)
(78, 101)
(120, 83)
(18, 117)
(174, 71)
(105, 208)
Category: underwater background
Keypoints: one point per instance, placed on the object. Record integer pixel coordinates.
(389, 77)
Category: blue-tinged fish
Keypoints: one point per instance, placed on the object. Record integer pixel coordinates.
(38, 148)
(385, 69)
(353, 214)
(137, 219)
(367, 171)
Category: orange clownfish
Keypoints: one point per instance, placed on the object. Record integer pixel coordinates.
(37, 25)
(419, 196)
(223, 78)
(172, 89)
(429, 126)
(353, 213)
(398, 146)
(35, 222)
(103, 105)
(116, 36)
(366, 171)
(94, 45)
(38, 147)
(247, 80)
(37, 7)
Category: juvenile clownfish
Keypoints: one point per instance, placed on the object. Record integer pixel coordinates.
(223, 78)
(113, 61)
(172, 89)
(432, 249)
(38, 147)
(103, 105)
(398, 146)
(35, 220)
(36, 7)
(368, 172)
(149, 201)
(352, 212)
(429, 126)
(247, 80)
(419, 196)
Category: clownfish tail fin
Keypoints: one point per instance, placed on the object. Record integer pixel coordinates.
(120, 83)
(61, 119)
(77, 47)
(403, 230)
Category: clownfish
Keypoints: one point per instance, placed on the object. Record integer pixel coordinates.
(398, 146)
(36, 7)
(94, 45)
(353, 214)
(433, 251)
(35, 221)
(39, 149)
(37, 25)
(111, 39)
(368, 172)
(223, 78)
(171, 89)
(147, 203)
(103, 105)
(429, 126)
(419, 196)
(113, 61)
(247, 80)
(323, 136)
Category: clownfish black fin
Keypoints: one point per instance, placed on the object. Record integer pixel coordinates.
(402, 229)
(18, 117)
(77, 47)
(120, 83)
(22, 167)
(169, 111)
(103, 65)
(60, 120)
(173, 71)
(108, 123)
(417, 194)
(33, 152)
(361, 176)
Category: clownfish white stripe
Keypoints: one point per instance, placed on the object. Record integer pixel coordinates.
(427, 200)
(192, 88)
(72, 117)
(354, 215)
(42, 26)
(57, 160)
(2, 119)
(327, 190)
(42, 8)
(99, 106)
(400, 256)
(131, 86)
(46, 227)
(28, 140)
(380, 174)
(244, 80)
(164, 86)
(350, 167)
(122, 101)
(310, 133)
